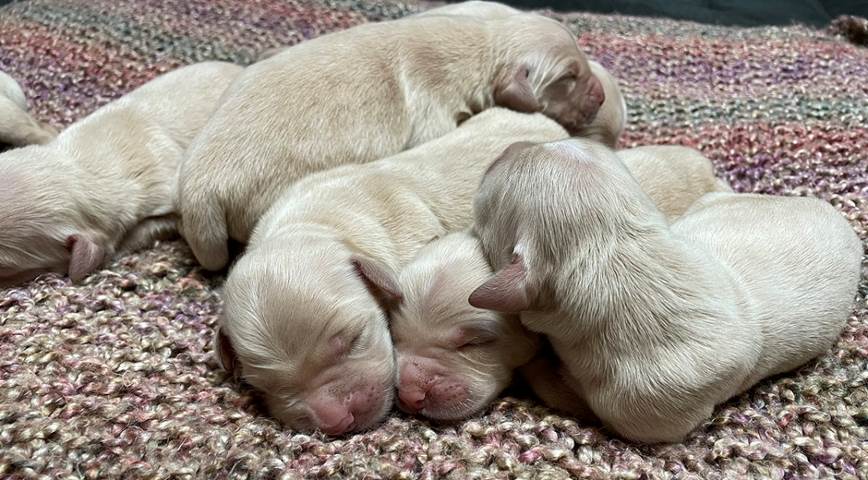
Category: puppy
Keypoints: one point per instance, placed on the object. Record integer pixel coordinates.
(473, 8)
(374, 90)
(657, 324)
(17, 127)
(304, 318)
(446, 373)
(107, 183)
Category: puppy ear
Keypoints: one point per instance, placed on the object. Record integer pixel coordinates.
(225, 353)
(516, 93)
(507, 291)
(85, 256)
(379, 279)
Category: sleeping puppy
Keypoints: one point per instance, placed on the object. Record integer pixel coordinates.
(17, 127)
(474, 8)
(107, 183)
(657, 323)
(443, 371)
(304, 319)
(445, 379)
(374, 90)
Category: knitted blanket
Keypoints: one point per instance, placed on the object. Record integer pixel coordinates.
(115, 377)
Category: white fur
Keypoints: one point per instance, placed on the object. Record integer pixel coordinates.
(611, 119)
(295, 291)
(440, 375)
(656, 324)
(10, 89)
(17, 127)
(108, 181)
(362, 94)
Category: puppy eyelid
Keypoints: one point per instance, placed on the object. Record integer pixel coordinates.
(354, 343)
(343, 344)
(473, 335)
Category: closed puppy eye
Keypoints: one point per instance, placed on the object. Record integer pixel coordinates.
(476, 341)
(355, 343)
(472, 336)
(343, 344)
(565, 82)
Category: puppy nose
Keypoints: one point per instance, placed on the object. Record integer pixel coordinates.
(411, 400)
(598, 93)
(342, 426)
(332, 417)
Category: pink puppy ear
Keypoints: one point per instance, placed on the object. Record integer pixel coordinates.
(516, 93)
(85, 256)
(380, 280)
(507, 291)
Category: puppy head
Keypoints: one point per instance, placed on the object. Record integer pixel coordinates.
(541, 204)
(304, 324)
(42, 228)
(453, 359)
(611, 119)
(539, 68)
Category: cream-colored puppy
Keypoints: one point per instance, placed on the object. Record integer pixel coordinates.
(373, 90)
(657, 324)
(17, 127)
(473, 8)
(304, 318)
(107, 183)
(453, 359)
(446, 373)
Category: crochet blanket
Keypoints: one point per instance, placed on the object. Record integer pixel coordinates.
(115, 377)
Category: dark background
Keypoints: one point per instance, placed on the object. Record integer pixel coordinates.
(723, 12)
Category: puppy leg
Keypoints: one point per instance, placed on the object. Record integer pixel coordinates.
(147, 232)
(18, 128)
(544, 375)
(203, 226)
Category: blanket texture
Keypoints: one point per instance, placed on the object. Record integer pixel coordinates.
(115, 377)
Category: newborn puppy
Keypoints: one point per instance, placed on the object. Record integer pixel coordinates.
(304, 318)
(453, 359)
(657, 324)
(107, 182)
(17, 127)
(445, 346)
(373, 90)
(474, 8)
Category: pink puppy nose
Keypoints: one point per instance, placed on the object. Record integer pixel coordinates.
(596, 91)
(411, 400)
(332, 418)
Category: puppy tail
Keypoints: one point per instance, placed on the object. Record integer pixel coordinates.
(203, 226)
